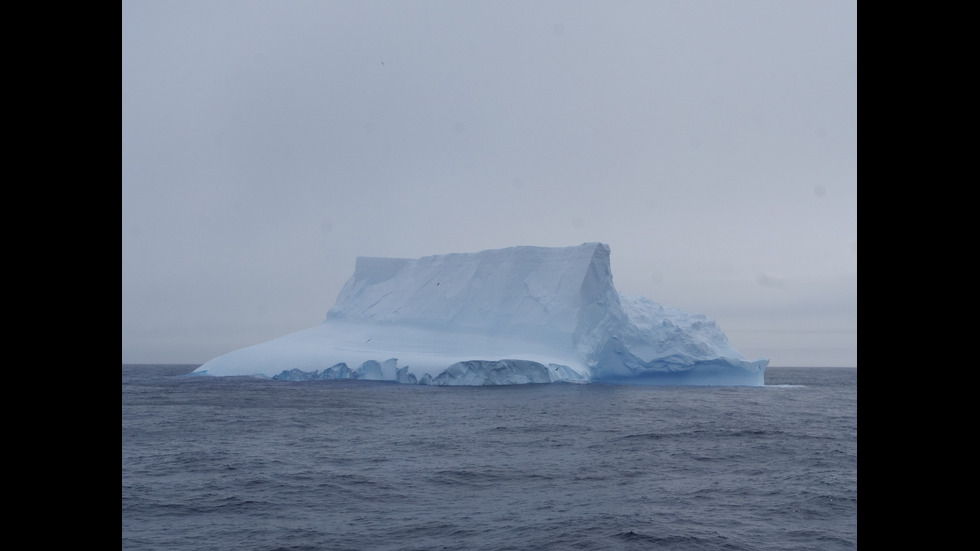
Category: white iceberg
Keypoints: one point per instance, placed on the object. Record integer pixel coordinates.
(505, 316)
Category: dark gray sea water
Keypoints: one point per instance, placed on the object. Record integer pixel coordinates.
(241, 463)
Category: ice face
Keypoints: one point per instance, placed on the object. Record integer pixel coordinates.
(532, 292)
(504, 316)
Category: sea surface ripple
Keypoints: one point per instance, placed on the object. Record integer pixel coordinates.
(257, 464)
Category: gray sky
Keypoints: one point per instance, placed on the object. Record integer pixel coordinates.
(266, 144)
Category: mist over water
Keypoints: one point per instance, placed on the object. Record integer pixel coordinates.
(248, 463)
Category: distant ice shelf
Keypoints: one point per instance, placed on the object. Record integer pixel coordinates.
(498, 317)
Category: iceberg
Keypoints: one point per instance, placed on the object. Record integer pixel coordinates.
(516, 315)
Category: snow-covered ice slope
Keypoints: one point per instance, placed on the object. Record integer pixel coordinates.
(504, 316)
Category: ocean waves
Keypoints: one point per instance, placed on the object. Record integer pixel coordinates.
(244, 463)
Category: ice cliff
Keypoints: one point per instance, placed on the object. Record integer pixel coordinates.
(504, 316)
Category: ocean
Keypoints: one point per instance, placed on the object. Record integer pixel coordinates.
(240, 463)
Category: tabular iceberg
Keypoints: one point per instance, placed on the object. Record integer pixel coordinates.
(504, 316)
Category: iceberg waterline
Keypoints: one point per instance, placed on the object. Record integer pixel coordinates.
(502, 316)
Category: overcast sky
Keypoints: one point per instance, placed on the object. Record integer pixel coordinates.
(266, 144)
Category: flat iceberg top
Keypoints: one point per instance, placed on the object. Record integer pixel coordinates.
(501, 316)
(499, 292)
